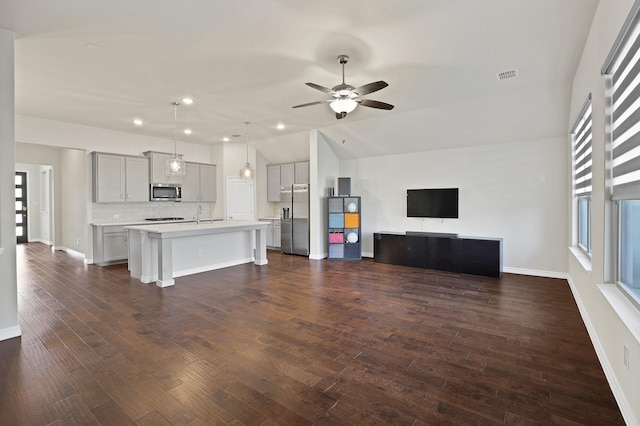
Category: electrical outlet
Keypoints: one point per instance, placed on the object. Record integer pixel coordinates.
(116, 216)
(77, 241)
(626, 356)
(200, 253)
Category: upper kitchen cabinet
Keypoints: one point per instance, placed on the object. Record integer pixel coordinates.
(287, 174)
(301, 172)
(158, 166)
(119, 178)
(273, 183)
(199, 183)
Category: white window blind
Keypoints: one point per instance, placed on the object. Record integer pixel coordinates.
(623, 68)
(581, 139)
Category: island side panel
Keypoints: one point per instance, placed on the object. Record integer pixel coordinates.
(200, 253)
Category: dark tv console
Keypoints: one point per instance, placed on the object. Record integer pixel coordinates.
(444, 252)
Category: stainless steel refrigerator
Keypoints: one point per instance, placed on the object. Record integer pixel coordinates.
(294, 212)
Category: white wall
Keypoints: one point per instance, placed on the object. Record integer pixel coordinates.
(608, 331)
(75, 231)
(323, 173)
(513, 191)
(9, 326)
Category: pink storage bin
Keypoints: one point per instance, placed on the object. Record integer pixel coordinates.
(336, 237)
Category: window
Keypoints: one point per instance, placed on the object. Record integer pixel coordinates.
(581, 148)
(622, 70)
(629, 247)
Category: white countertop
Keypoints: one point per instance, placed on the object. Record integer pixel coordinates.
(152, 222)
(172, 230)
(270, 218)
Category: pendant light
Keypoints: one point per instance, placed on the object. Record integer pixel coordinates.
(247, 171)
(175, 166)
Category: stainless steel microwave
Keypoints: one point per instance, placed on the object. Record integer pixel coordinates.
(165, 192)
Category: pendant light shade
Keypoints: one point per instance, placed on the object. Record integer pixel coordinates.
(175, 166)
(247, 171)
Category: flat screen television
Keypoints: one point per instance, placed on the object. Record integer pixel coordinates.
(440, 203)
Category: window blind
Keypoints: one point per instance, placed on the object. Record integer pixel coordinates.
(581, 138)
(623, 68)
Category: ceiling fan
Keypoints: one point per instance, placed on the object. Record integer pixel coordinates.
(345, 97)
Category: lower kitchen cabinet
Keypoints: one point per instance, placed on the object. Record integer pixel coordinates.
(273, 232)
(110, 244)
(276, 233)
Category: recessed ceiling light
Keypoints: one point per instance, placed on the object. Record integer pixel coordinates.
(187, 131)
(187, 101)
(138, 122)
(280, 126)
(225, 139)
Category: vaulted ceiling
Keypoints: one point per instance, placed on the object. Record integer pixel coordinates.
(103, 63)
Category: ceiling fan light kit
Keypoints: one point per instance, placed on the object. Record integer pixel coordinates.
(343, 105)
(347, 97)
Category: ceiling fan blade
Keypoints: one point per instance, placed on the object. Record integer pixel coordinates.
(309, 104)
(320, 88)
(340, 115)
(374, 104)
(371, 87)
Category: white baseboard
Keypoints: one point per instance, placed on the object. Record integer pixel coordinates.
(314, 256)
(38, 240)
(10, 332)
(616, 388)
(71, 251)
(536, 273)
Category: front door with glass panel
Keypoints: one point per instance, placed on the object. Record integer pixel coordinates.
(21, 207)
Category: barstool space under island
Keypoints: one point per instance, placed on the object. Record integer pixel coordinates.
(162, 252)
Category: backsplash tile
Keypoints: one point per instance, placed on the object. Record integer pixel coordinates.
(105, 212)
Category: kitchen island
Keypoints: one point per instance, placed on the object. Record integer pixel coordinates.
(163, 252)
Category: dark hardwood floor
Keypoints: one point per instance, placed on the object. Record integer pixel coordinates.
(296, 342)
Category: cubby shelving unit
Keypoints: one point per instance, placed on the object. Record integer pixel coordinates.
(344, 227)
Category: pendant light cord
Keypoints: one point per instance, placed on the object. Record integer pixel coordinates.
(247, 140)
(175, 129)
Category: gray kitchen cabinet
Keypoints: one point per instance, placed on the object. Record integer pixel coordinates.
(273, 183)
(120, 178)
(273, 232)
(287, 174)
(270, 234)
(199, 183)
(276, 233)
(301, 172)
(208, 183)
(110, 244)
(157, 173)
(136, 179)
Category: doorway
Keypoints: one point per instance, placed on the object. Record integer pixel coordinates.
(21, 208)
(239, 198)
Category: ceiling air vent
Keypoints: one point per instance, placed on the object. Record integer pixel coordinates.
(506, 75)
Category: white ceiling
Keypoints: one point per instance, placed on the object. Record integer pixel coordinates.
(102, 63)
